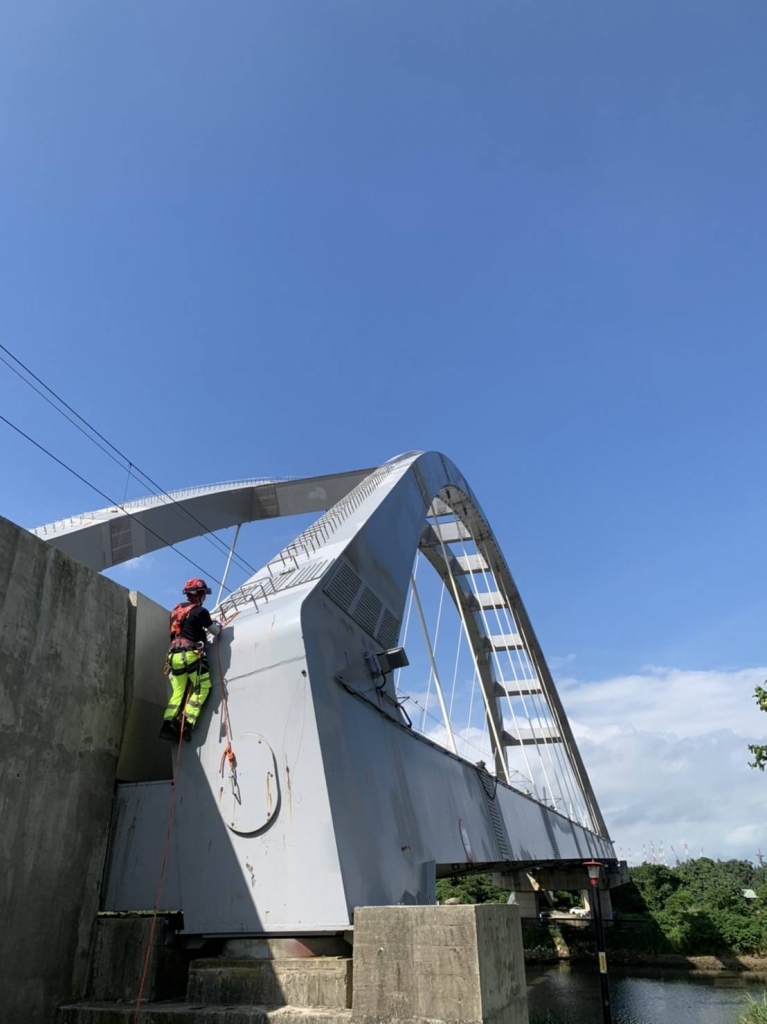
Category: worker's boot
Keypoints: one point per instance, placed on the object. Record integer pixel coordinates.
(169, 730)
(188, 728)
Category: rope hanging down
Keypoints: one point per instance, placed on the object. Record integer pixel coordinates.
(228, 755)
(163, 862)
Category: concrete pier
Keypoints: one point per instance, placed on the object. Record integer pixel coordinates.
(417, 964)
(452, 963)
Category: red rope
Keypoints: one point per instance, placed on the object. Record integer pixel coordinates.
(163, 862)
(228, 754)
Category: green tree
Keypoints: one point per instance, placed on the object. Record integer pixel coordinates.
(699, 908)
(564, 899)
(471, 889)
(656, 883)
(759, 750)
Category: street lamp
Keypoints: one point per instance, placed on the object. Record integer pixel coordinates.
(594, 867)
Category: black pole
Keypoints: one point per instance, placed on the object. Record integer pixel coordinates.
(596, 910)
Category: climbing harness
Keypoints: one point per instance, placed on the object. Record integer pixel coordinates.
(177, 618)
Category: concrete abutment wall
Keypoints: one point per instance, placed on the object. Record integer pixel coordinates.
(69, 669)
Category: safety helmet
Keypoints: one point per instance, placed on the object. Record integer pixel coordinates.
(196, 586)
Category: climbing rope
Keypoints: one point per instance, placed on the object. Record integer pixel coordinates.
(228, 755)
(163, 862)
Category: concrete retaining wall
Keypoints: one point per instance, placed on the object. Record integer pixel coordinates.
(64, 646)
(143, 756)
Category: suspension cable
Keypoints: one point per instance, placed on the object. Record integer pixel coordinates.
(562, 777)
(455, 669)
(580, 801)
(515, 631)
(437, 684)
(488, 633)
(486, 697)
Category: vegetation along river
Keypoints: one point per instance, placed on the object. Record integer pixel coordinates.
(571, 995)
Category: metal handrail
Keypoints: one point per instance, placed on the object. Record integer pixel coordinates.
(307, 543)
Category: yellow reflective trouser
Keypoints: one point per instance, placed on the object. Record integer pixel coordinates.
(187, 667)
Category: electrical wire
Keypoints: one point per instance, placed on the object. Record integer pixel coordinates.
(156, 488)
(106, 497)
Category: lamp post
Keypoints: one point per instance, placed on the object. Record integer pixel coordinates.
(593, 867)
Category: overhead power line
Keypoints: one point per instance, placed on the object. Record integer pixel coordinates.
(106, 497)
(126, 464)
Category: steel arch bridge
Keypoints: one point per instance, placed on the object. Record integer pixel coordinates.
(335, 799)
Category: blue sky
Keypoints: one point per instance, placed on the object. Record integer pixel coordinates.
(278, 238)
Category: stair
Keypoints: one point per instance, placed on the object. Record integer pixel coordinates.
(220, 990)
(293, 981)
(188, 1013)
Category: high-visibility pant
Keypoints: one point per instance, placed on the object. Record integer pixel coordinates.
(187, 667)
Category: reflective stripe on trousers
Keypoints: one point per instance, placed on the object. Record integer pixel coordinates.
(187, 667)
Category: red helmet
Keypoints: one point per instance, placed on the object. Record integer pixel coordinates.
(196, 586)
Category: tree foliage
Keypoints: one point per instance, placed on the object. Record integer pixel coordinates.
(698, 907)
(759, 750)
(470, 889)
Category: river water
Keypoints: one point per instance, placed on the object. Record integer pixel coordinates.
(572, 994)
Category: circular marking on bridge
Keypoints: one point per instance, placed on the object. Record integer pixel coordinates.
(249, 799)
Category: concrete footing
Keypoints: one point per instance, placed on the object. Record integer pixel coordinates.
(411, 964)
(457, 963)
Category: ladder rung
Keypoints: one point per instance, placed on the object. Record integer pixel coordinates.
(449, 533)
(490, 599)
(471, 563)
(529, 741)
(505, 642)
(439, 508)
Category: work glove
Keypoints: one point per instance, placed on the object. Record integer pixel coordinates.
(215, 628)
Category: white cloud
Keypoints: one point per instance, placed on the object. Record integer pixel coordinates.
(557, 661)
(130, 568)
(666, 751)
(667, 754)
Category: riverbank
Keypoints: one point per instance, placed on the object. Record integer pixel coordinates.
(724, 965)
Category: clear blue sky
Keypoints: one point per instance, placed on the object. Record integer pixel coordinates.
(262, 238)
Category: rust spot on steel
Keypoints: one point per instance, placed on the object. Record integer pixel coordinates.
(268, 795)
(252, 874)
(220, 793)
(289, 787)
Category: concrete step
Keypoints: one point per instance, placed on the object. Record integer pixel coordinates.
(118, 951)
(189, 1013)
(290, 981)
